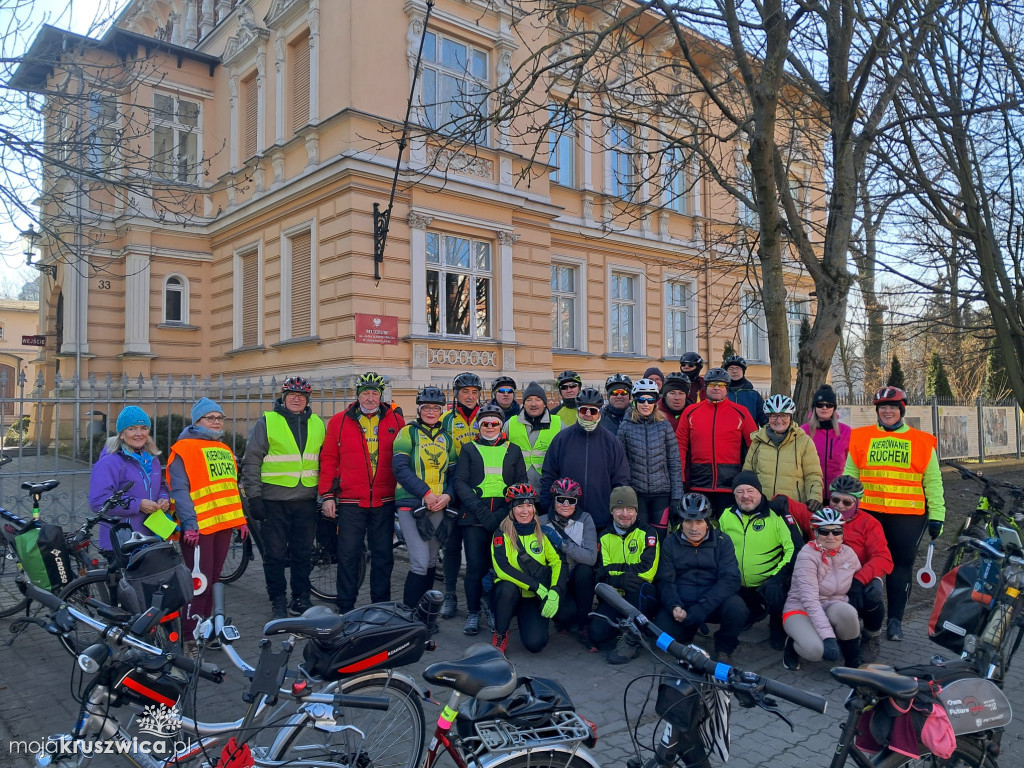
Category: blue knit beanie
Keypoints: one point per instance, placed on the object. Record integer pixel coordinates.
(133, 416)
(202, 407)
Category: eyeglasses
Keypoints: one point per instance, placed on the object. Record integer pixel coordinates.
(431, 407)
(778, 416)
(829, 531)
(619, 392)
(211, 417)
(569, 386)
(842, 501)
(645, 400)
(824, 405)
(505, 391)
(570, 500)
(588, 410)
(490, 424)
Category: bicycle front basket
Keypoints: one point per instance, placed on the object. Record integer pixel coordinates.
(158, 568)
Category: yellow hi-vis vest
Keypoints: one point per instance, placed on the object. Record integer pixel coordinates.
(533, 454)
(493, 484)
(283, 465)
(213, 483)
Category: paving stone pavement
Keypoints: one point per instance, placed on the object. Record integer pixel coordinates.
(35, 695)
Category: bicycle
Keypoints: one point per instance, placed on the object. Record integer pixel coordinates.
(1000, 504)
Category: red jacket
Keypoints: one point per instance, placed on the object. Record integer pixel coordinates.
(863, 534)
(345, 470)
(713, 440)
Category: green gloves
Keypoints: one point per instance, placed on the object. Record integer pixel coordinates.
(550, 606)
(541, 591)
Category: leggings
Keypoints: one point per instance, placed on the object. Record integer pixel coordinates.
(903, 534)
(477, 541)
(509, 602)
(213, 551)
(652, 511)
(806, 640)
(422, 554)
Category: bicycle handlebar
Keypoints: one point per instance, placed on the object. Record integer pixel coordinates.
(968, 474)
(695, 657)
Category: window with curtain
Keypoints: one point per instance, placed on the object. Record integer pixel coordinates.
(564, 304)
(623, 313)
(459, 286)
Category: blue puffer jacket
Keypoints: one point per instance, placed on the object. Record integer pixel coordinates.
(742, 392)
(652, 453)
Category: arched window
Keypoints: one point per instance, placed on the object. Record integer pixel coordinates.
(176, 299)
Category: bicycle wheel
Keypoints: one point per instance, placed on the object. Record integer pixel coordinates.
(544, 758)
(967, 755)
(391, 739)
(12, 601)
(323, 578)
(237, 560)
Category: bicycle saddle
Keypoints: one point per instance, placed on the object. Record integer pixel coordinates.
(317, 623)
(37, 488)
(137, 541)
(877, 677)
(483, 672)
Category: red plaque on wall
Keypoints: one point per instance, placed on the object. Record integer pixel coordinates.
(376, 329)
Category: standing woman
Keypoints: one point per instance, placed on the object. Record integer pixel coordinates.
(529, 573)
(485, 468)
(831, 437)
(783, 456)
(129, 456)
(424, 455)
(202, 476)
(655, 469)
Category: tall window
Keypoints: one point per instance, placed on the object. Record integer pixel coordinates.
(176, 132)
(458, 286)
(247, 298)
(250, 112)
(680, 318)
(677, 180)
(754, 328)
(562, 141)
(455, 84)
(796, 311)
(299, 54)
(564, 300)
(620, 155)
(745, 182)
(101, 140)
(623, 313)
(175, 299)
(300, 285)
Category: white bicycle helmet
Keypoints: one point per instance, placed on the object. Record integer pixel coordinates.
(645, 387)
(780, 404)
(827, 516)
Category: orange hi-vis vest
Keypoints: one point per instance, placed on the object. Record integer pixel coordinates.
(892, 466)
(213, 482)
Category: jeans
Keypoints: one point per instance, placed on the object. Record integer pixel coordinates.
(288, 532)
(377, 527)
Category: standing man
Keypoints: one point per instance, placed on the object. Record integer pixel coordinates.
(533, 430)
(503, 395)
(713, 438)
(742, 391)
(674, 397)
(357, 483)
(899, 470)
(569, 385)
(618, 388)
(690, 366)
(280, 470)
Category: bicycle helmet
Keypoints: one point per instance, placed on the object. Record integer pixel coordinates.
(891, 396)
(566, 486)
(734, 360)
(780, 404)
(431, 396)
(694, 506)
(503, 381)
(297, 384)
(647, 387)
(370, 380)
(491, 409)
(467, 380)
(691, 358)
(847, 485)
(520, 492)
(569, 377)
(717, 374)
(618, 381)
(676, 381)
(589, 396)
(827, 516)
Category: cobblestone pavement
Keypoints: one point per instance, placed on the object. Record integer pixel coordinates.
(35, 698)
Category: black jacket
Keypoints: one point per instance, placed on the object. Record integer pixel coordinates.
(697, 578)
(469, 473)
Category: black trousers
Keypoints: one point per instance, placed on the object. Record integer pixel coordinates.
(646, 600)
(453, 558)
(477, 543)
(509, 603)
(575, 605)
(903, 534)
(288, 529)
(375, 526)
(650, 510)
(731, 616)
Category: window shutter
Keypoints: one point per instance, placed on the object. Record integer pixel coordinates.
(250, 299)
(300, 84)
(250, 102)
(301, 286)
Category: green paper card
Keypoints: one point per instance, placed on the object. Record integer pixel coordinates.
(160, 524)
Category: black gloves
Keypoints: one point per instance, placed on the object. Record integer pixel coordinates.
(779, 505)
(873, 590)
(831, 652)
(814, 505)
(856, 595)
(256, 510)
(775, 594)
(632, 583)
(934, 529)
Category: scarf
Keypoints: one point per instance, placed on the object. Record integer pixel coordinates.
(589, 426)
(825, 553)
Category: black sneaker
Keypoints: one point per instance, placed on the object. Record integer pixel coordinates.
(894, 630)
(450, 606)
(279, 607)
(626, 649)
(790, 658)
(299, 605)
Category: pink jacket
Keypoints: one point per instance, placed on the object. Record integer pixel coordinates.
(818, 582)
(832, 450)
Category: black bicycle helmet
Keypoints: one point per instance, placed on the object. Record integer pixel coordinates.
(694, 506)
(467, 380)
(691, 358)
(734, 360)
(431, 396)
(848, 486)
(676, 381)
(503, 381)
(589, 396)
(717, 374)
(491, 409)
(618, 381)
(569, 377)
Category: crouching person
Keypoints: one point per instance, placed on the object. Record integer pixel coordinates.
(699, 579)
(528, 570)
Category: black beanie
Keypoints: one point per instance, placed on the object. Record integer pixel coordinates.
(654, 369)
(533, 389)
(747, 478)
(825, 394)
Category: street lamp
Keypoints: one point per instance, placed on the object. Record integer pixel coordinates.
(31, 238)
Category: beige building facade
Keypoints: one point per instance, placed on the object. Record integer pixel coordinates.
(19, 322)
(264, 131)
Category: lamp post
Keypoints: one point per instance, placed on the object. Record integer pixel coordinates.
(30, 238)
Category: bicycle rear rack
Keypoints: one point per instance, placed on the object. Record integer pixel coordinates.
(504, 736)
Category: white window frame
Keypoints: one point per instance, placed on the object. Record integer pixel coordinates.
(194, 178)
(678, 167)
(183, 290)
(747, 217)
(102, 135)
(797, 308)
(579, 267)
(639, 308)
(754, 328)
(562, 145)
(689, 309)
(286, 282)
(473, 272)
(621, 169)
(237, 313)
(435, 69)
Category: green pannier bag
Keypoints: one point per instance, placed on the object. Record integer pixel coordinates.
(43, 552)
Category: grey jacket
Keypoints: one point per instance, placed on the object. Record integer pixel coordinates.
(579, 537)
(653, 455)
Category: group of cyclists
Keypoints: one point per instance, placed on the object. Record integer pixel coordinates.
(700, 502)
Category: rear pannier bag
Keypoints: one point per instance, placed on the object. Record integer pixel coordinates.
(955, 613)
(44, 555)
(377, 636)
(157, 568)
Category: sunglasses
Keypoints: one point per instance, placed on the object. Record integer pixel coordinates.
(841, 501)
(490, 424)
(645, 400)
(569, 386)
(505, 390)
(829, 531)
(588, 410)
(570, 500)
(619, 392)
(824, 405)
(716, 385)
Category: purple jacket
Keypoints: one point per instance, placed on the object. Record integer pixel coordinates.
(110, 472)
(832, 450)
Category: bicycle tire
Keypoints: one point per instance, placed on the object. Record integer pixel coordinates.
(967, 755)
(393, 739)
(238, 557)
(12, 601)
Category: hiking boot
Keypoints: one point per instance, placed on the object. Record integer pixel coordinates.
(894, 630)
(790, 658)
(191, 649)
(499, 641)
(723, 657)
(870, 646)
(488, 616)
(472, 625)
(851, 652)
(300, 604)
(279, 607)
(626, 649)
(450, 606)
(584, 637)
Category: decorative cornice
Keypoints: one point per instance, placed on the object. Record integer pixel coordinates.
(418, 221)
(249, 39)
